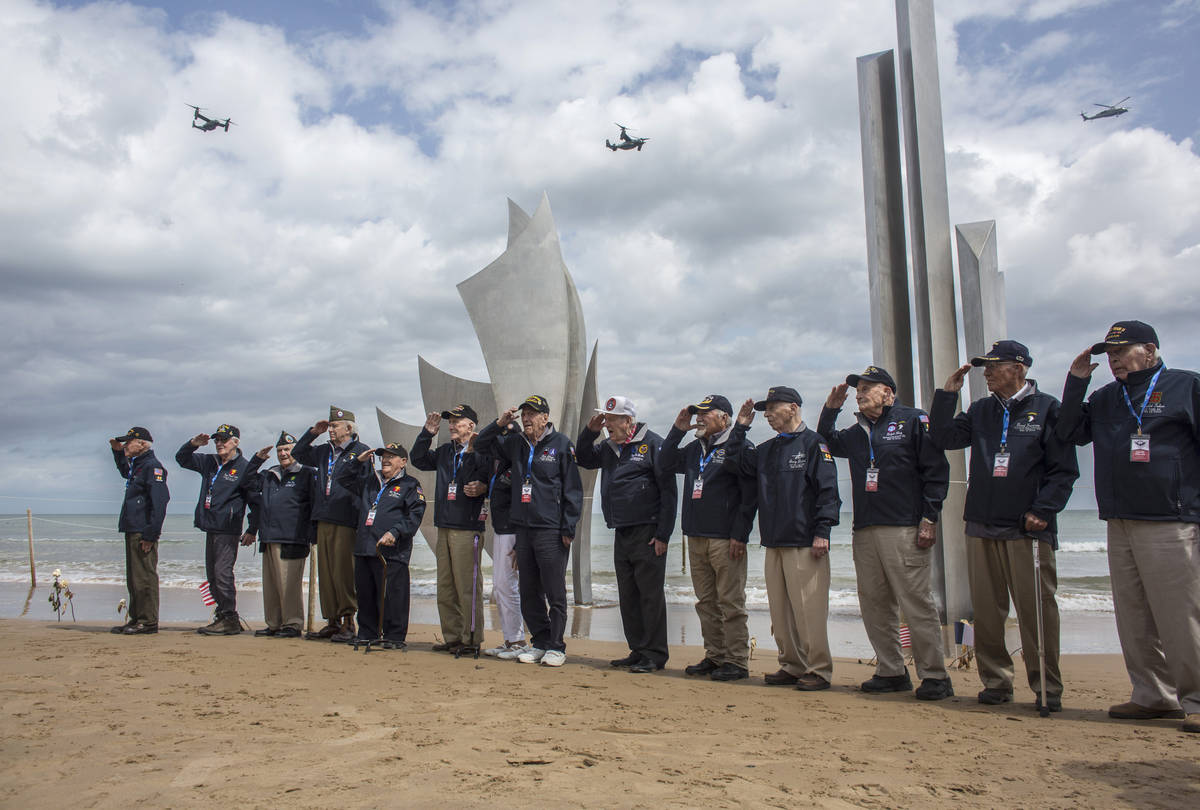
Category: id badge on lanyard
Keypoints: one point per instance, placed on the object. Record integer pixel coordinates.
(527, 491)
(370, 517)
(483, 510)
(872, 483)
(452, 491)
(208, 501)
(1139, 447)
(698, 489)
(1000, 465)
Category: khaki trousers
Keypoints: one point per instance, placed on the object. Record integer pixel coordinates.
(798, 593)
(335, 571)
(141, 578)
(720, 586)
(893, 579)
(1155, 568)
(283, 588)
(998, 568)
(459, 586)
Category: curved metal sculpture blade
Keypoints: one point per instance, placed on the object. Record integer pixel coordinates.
(393, 430)
(581, 558)
(518, 221)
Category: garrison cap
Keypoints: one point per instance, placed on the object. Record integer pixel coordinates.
(337, 414)
(285, 438)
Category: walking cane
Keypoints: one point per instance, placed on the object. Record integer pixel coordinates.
(1043, 707)
(474, 588)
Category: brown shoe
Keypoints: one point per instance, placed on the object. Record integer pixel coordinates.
(1192, 722)
(811, 682)
(447, 646)
(780, 678)
(328, 631)
(1135, 711)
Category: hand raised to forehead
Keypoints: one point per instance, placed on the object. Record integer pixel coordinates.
(683, 420)
(746, 412)
(433, 421)
(837, 396)
(200, 439)
(1082, 366)
(955, 381)
(264, 453)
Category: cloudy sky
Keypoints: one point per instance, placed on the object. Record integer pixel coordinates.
(157, 275)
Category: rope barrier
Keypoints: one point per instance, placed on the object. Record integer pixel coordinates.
(76, 525)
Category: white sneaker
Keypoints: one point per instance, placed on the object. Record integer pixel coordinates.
(509, 653)
(554, 658)
(494, 652)
(531, 656)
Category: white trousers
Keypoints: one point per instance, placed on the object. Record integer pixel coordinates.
(506, 593)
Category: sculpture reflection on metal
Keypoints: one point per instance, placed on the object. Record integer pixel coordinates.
(985, 315)
(529, 321)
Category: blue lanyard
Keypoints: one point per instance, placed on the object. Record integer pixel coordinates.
(456, 464)
(705, 459)
(332, 461)
(871, 445)
(1128, 404)
(213, 480)
(129, 478)
(382, 489)
(529, 464)
(1004, 430)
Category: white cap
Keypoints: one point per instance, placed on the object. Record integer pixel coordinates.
(619, 406)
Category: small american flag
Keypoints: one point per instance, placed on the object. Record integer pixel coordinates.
(905, 637)
(206, 595)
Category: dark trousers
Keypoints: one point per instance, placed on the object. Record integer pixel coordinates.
(141, 578)
(383, 591)
(542, 571)
(220, 553)
(640, 577)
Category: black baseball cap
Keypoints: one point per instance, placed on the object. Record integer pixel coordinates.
(285, 438)
(712, 402)
(1124, 333)
(395, 448)
(461, 412)
(225, 431)
(779, 393)
(873, 374)
(1005, 351)
(536, 403)
(135, 433)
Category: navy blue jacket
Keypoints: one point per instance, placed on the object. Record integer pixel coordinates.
(226, 483)
(633, 490)
(797, 485)
(500, 496)
(913, 472)
(557, 496)
(725, 508)
(459, 467)
(281, 503)
(146, 496)
(1042, 467)
(334, 503)
(1167, 487)
(398, 510)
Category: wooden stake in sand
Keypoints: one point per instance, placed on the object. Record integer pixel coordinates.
(32, 570)
(312, 586)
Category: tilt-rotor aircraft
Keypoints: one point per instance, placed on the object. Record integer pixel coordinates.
(626, 142)
(208, 124)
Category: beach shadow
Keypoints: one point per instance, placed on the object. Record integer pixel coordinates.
(1169, 783)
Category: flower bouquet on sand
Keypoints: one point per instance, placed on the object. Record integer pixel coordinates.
(60, 592)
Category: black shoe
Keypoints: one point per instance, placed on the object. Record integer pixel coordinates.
(1053, 703)
(227, 626)
(646, 665)
(780, 678)
(729, 672)
(344, 636)
(120, 628)
(811, 682)
(705, 667)
(265, 632)
(887, 683)
(935, 689)
(994, 697)
(140, 629)
(627, 661)
(446, 646)
(287, 632)
(211, 628)
(328, 631)
(393, 645)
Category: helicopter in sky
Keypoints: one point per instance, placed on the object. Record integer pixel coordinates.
(1108, 111)
(209, 124)
(625, 142)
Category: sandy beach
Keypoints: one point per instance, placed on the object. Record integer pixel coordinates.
(179, 720)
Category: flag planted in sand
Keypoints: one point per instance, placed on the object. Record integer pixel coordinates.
(206, 595)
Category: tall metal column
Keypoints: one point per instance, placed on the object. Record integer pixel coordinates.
(985, 315)
(883, 196)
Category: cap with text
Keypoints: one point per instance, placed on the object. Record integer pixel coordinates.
(619, 406)
(779, 393)
(461, 412)
(1125, 333)
(1005, 351)
(395, 448)
(135, 433)
(227, 431)
(536, 403)
(712, 402)
(873, 374)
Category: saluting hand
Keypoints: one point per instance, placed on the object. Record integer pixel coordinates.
(432, 421)
(366, 457)
(955, 381)
(837, 396)
(684, 421)
(388, 539)
(508, 417)
(116, 445)
(746, 413)
(320, 427)
(264, 454)
(200, 439)
(1082, 366)
(596, 422)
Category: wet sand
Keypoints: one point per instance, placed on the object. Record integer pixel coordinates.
(177, 719)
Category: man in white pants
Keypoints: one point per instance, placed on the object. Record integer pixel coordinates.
(506, 592)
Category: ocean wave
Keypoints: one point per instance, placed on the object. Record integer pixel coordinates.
(1083, 546)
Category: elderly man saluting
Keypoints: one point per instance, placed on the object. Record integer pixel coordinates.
(1020, 479)
(639, 503)
(336, 513)
(547, 497)
(798, 506)
(1145, 432)
(219, 514)
(142, 513)
(718, 513)
(900, 479)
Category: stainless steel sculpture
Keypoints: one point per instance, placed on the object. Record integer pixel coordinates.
(528, 318)
(887, 263)
(985, 316)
